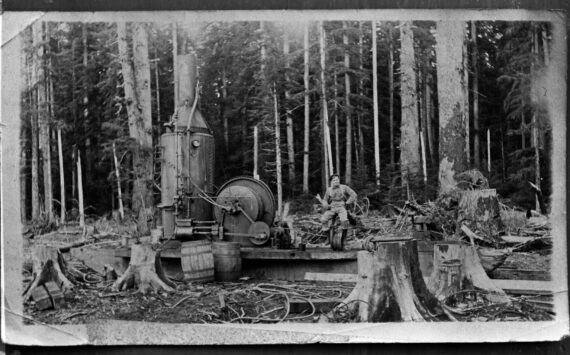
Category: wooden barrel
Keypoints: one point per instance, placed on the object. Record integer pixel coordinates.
(198, 261)
(227, 261)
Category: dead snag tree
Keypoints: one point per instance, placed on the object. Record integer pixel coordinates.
(456, 267)
(452, 110)
(48, 265)
(390, 286)
(144, 272)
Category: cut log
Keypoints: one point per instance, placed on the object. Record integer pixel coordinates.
(48, 265)
(55, 295)
(457, 267)
(390, 287)
(41, 298)
(479, 211)
(144, 271)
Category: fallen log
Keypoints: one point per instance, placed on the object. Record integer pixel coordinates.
(48, 265)
(144, 272)
(389, 287)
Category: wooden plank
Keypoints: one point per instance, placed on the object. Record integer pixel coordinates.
(284, 254)
(510, 273)
(525, 286)
(41, 298)
(55, 295)
(514, 239)
(330, 277)
(321, 305)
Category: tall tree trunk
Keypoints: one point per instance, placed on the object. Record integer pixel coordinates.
(336, 128)
(307, 109)
(289, 116)
(391, 93)
(85, 123)
(452, 149)
(325, 113)
(144, 168)
(466, 99)
(157, 85)
(429, 120)
(223, 113)
(61, 177)
(278, 154)
(523, 131)
(34, 131)
(118, 177)
(410, 162)
(359, 118)
(80, 191)
(136, 79)
(256, 152)
(175, 61)
(535, 128)
(75, 131)
(424, 116)
(375, 104)
(43, 116)
(348, 109)
(475, 64)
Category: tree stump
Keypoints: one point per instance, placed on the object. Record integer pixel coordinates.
(390, 286)
(457, 267)
(479, 211)
(144, 271)
(48, 265)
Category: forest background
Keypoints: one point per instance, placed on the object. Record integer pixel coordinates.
(106, 90)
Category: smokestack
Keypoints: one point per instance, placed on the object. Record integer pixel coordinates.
(186, 79)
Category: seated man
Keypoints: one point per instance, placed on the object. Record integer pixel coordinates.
(335, 201)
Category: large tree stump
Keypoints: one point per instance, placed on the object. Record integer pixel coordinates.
(479, 211)
(390, 286)
(48, 265)
(457, 267)
(144, 271)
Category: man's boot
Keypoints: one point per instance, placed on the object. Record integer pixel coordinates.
(344, 233)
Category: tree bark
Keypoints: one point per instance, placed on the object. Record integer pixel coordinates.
(347, 108)
(136, 82)
(61, 177)
(390, 286)
(375, 105)
(144, 271)
(289, 116)
(361, 165)
(325, 113)
(43, 115)
(175, 62)
(118, 177)
(429, 121)
(479, 210)
(466, 100)
(452, 149)
(80, 191)
(35, 192)
(391, 93)
(85, 123)
(535, 123)
(255, 152)
(278, 153)
(223, 112)
(410, 161)
(307, 109)
(336, 128)
(475, 64)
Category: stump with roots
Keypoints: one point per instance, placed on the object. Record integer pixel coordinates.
(144, 271)
(48, 265)
(456, 267)
(390, 287)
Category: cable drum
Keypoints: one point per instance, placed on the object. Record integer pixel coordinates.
(248, 201)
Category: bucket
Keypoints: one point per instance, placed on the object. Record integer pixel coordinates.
(227, 261)
(197, 261)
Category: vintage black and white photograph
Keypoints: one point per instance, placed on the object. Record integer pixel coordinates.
(288, 172)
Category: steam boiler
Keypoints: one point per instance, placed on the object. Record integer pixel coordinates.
(242, 210)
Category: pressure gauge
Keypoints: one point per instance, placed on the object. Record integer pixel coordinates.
(195, 144)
